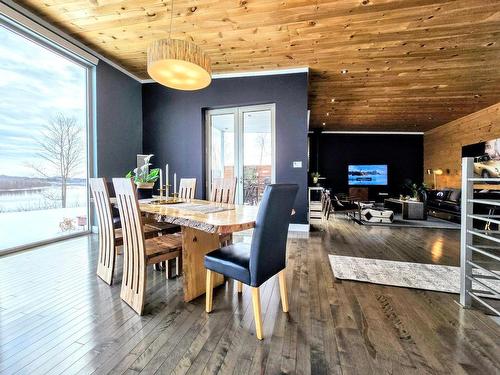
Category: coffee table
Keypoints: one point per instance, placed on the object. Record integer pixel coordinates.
(411, 210)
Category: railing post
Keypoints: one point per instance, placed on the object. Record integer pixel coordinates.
(465, 236)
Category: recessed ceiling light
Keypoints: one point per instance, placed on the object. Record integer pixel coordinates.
(333, 100)
(324, 123)
(343, 71)
(328, 113)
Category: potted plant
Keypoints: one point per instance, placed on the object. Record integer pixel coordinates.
(315, 177)
(144, 180)
(418, 191)
(143, 177)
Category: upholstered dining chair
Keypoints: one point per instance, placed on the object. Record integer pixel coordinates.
(110, 232)
(138, 253)
(187, 188)
(347, 207)
(253, 264)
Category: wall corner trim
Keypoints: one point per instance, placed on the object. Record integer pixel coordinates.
(253, 73)
(370, 132)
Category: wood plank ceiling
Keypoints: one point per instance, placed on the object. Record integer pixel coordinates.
(409, 65)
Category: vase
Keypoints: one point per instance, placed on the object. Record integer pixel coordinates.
(145, 190)
(145, 185)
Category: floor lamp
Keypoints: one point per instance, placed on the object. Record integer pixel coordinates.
(436, 172)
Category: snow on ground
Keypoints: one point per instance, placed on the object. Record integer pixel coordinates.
(21, 228)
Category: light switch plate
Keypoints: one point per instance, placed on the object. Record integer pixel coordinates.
(297, 164)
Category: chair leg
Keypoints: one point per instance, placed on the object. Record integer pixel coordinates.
(283, 294)
(134, 281)
(159, 266)
(210, 291)
(106, 262)
(168, 266)
(256, 312)
(178, 265)
(239, 285)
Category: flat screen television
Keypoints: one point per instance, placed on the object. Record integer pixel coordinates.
(367, 174)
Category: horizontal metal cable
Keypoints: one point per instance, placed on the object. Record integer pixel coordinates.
(486, 218)
(494, 292)
(488, 272)
(486, 304)
(479, 234)
(481, 251)
(485, 201)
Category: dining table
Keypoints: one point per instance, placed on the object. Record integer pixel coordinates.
(202, 225)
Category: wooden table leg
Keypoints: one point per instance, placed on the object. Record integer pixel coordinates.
(195, 244)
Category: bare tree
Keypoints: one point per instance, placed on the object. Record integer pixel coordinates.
(261, 142)
(60, 146)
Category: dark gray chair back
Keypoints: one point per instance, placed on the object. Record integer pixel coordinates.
(268, 249)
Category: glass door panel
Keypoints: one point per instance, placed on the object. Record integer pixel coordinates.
(257, 154)
(241, 145)
(222, 135)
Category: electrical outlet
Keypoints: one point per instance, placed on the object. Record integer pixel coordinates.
(297, 164)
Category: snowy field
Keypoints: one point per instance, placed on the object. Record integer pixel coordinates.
(21, 228)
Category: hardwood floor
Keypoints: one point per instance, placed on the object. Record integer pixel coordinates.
(57, 316)
(420, 245)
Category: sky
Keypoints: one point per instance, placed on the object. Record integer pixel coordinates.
(35, 85)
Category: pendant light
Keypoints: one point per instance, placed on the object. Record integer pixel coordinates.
(178, 64)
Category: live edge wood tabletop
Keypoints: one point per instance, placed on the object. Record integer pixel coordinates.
(202, 222)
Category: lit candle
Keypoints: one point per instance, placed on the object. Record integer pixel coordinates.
(175, 183)
(161, 184)
(166, 178)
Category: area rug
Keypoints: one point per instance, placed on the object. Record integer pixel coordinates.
(404, 274)
(431, 222)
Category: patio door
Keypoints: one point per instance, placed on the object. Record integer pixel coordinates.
(240, 144)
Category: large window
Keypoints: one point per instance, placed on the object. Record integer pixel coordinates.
(44, 122)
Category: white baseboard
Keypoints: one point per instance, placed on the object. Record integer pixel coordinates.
(298, 227)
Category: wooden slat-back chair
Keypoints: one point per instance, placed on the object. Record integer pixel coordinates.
(106, 257)
(110, 238)
(187, 188)
(138, 252)
(223, 190)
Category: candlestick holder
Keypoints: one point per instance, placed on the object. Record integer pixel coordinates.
(161, 190)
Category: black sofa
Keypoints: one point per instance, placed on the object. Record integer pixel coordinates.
(446, 203)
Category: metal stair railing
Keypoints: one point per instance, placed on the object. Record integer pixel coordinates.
(470, 269)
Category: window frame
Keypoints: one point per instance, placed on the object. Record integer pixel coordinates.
(21, 25)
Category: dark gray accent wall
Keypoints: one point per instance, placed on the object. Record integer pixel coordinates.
(118, 121)
(173, 125)
(331, 154)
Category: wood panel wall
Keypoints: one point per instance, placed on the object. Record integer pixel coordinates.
(443, 145)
